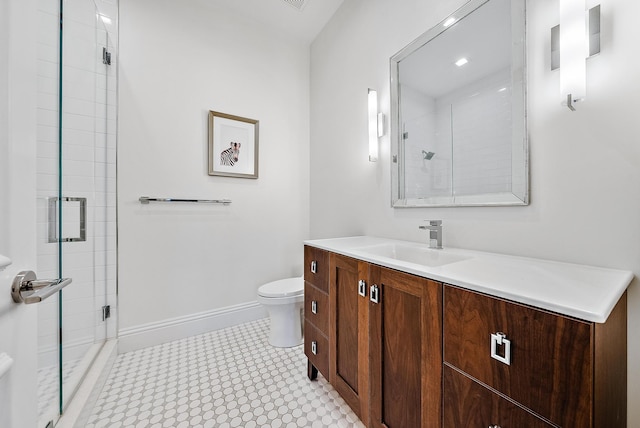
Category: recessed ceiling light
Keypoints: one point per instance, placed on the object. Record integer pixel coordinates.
(449, 22)
(461, 62)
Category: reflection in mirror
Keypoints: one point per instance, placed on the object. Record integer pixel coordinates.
(458, 110)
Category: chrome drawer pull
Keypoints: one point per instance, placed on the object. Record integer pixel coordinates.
(494, 426)
(362, 288)
(314, 307)
(499, 339)
(374, 294)
(314, 267)
(314, 347)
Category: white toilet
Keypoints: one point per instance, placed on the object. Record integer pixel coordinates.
(284, 299)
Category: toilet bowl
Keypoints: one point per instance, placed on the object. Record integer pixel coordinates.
(284, 300)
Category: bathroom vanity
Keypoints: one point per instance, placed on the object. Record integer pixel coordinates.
(415, 337)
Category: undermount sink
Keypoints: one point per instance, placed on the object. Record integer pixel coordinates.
(417, 254)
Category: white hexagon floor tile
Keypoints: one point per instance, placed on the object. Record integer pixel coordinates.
(224, 378)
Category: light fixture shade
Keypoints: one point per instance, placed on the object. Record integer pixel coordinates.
(373, 125)
(573, 50)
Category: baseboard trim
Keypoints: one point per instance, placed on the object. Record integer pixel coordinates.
(156, 333)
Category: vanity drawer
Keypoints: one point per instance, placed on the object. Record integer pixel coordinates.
(316, 307)
(469, 404)
(316, 267)
(548, 367)
(316, 348)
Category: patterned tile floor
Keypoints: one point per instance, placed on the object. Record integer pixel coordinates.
(225, 378)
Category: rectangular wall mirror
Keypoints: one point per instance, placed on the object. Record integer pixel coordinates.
(458, 111)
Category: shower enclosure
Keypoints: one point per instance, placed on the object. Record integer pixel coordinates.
(76, 192)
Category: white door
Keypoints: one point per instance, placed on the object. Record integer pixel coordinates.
(18, 331)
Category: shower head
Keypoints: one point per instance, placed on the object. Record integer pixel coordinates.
(427, 155)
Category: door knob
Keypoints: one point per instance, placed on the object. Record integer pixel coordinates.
(27, 288)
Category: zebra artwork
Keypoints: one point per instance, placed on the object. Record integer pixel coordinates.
(230, 156)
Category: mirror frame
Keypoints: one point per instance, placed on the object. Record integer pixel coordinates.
(519, 127)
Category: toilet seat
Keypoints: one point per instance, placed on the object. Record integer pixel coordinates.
(288, 287)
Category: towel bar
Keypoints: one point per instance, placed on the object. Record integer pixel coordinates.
(147, 199)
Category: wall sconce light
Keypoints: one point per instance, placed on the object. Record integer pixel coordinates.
(376, 125)
(572, 42)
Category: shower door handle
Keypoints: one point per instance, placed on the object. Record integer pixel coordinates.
(27, 288)
(55, 205)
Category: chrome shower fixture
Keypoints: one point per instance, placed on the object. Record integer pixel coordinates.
(427, 155)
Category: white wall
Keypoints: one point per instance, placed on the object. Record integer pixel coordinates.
(585, 165)
(178, 60)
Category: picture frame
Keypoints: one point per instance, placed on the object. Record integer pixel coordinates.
(233, 146)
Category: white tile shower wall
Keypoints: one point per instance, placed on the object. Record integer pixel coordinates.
(482, 157)
(482, 135)
(89, 170)
(425, 178)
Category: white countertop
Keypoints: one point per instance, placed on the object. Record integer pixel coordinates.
(584, 292)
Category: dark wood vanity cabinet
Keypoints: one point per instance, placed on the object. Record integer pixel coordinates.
(567, 372)
(385, 353)
(407, 352)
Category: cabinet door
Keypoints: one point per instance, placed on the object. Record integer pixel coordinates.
(469, 404)
(406, 351)
(348, 333)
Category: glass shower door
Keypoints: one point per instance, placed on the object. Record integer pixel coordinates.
(48, 193)
(76, 195)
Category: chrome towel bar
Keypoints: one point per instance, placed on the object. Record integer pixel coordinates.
(147, 199)
(27, 288)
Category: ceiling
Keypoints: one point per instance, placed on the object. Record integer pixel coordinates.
(281, 16)
(483, 37)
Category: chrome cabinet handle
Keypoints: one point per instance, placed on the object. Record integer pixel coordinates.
(314, 307)
(500, 339)
(494, 426)
(28, 289)
(374, 294)
(314, 266)
(362, 288)
(314, 347)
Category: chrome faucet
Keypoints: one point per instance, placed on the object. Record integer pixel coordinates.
(435, 233)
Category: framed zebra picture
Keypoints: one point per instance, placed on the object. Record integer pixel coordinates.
(233, 146)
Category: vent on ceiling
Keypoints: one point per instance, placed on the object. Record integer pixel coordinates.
(298, 4)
